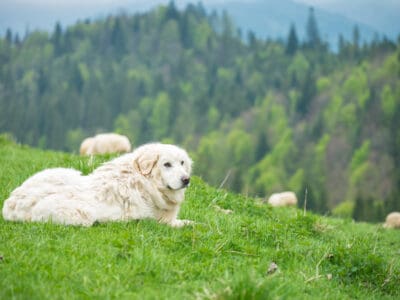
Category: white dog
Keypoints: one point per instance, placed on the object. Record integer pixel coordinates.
(147, 183)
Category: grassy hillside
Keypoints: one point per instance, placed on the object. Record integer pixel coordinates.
(221, 257)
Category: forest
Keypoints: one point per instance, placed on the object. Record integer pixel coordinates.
(258, 116)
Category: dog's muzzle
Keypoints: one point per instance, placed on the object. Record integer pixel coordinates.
(185, 181)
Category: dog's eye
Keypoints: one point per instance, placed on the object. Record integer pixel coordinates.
(167, 165)
(182, 162)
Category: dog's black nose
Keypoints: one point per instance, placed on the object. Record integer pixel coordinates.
(185, 181)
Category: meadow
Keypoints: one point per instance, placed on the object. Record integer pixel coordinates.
(256, 252)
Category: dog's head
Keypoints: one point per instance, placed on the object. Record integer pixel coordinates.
(168, 165)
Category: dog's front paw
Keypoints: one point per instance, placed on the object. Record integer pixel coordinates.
(180, 223)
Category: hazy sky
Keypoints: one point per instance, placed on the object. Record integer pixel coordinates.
(322, 3)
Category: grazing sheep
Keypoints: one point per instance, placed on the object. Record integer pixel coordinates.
(86, 145)
(283, 199)
(392, 220)
(105, 143)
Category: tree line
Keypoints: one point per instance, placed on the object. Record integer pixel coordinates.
(266, 115)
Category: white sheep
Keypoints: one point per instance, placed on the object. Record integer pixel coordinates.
(392, 220)
(86, 145)
(105, 143)
(283, 199)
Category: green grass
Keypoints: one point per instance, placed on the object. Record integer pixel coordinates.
(221, 257)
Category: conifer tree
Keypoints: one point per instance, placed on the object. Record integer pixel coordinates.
(356, 41)
(57, 38)
(341, 45)
(172, 12)
(117, 37)
(8, 36)
(313, 39)
(293, 42)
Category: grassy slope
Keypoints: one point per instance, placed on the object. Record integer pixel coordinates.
(222, 257)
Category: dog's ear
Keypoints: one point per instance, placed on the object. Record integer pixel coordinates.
(145, 163)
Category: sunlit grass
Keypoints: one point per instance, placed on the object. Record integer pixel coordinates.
(223, 256)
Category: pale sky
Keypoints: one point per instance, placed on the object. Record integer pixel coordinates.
(145, 2)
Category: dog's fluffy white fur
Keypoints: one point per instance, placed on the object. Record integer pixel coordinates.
(147, 183)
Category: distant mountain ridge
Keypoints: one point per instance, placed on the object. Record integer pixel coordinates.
(272, 19)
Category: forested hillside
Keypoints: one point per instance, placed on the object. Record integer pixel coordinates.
(264, 115)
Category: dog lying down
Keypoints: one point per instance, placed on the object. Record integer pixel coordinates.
(147, 183)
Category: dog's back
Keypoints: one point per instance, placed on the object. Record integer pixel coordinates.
(48, 183)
